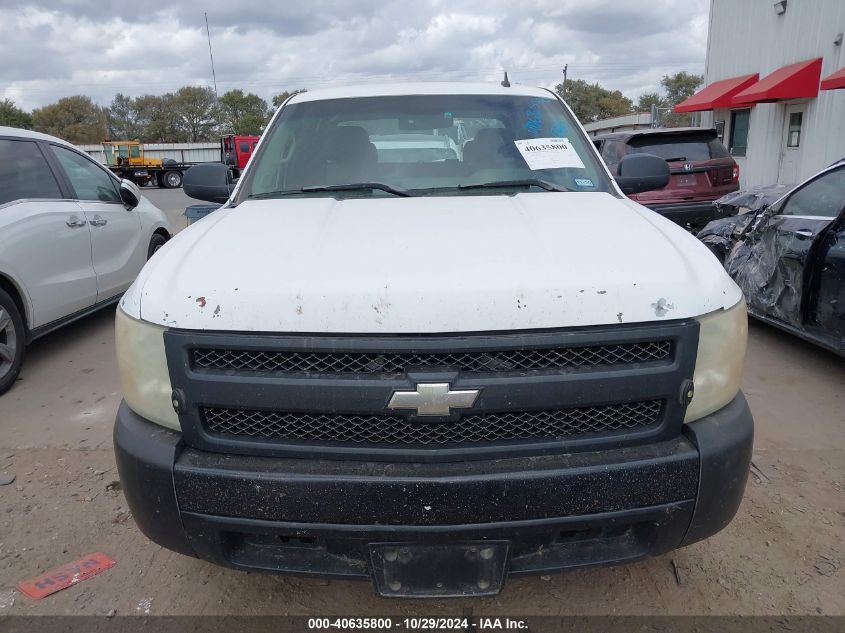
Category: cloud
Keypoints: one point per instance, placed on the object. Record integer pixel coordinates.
(55, 48)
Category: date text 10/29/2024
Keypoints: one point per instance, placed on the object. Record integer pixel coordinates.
(418, 624)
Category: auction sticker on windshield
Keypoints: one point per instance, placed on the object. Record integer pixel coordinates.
(548, 153)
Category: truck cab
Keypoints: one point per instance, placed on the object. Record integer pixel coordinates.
(128, 153)
(431, 373)
(235, 151)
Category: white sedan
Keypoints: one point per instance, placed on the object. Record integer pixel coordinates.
(73, 237)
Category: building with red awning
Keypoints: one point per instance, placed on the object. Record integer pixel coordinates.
(719, 94)
(775, 86)
(836, 81)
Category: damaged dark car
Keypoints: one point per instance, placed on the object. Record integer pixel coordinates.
(787, 253)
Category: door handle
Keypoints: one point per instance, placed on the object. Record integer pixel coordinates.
(97, 220)
(805, 233)
(75, 222)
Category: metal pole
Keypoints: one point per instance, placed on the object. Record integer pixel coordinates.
(565, 67)
(210, 54)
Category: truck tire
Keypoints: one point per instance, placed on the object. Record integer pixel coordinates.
(12, 342)
(172, 179)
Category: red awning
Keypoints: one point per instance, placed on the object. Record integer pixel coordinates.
(717, 95)
(834, 81)
(796, 81)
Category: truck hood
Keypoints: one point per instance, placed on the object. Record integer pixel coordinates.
(428, 265)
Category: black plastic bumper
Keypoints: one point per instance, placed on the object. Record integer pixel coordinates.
(692, 213)
(320, 517)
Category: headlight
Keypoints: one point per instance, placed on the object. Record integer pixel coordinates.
(143, 370)
(721, 354)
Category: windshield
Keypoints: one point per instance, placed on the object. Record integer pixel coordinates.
(421, 145)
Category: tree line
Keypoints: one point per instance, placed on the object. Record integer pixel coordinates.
(195, 113)
(190, 114)
(592, 102)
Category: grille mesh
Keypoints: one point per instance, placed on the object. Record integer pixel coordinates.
(374, 429)
(396, 363)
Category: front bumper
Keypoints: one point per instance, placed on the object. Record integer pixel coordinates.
(319, 517)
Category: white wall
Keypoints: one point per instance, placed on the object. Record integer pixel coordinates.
(180, 152)
(747, 36)
(619, 124)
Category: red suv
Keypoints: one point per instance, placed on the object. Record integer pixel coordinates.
(700, 166)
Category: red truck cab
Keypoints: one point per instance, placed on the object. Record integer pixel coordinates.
(235, 151)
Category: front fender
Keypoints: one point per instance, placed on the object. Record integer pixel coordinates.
(9, 274)
(152, 218)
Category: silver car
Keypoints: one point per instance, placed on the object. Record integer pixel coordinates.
(73, 237)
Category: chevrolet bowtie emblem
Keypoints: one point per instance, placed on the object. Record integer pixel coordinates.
(433, 399)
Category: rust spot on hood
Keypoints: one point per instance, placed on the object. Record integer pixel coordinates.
(201, 301)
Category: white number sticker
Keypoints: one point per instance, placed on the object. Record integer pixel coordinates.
(548, 153)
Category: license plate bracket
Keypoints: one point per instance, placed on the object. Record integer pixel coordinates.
(433, 570)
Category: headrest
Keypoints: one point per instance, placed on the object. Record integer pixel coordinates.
(349, 136)
(491, 136)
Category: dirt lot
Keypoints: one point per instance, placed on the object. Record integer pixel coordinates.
(783, 554)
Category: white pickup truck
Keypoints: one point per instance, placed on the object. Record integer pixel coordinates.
(431, 373)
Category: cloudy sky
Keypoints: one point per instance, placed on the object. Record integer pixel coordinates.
(54, 48)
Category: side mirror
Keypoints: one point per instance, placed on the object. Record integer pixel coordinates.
(130, 193)
(641, 172)
(208, 181)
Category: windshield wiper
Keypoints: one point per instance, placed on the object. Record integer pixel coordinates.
(359, 186)
(525, 182)
(275, 194)
(354, 186)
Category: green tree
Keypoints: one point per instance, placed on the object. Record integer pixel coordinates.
(195, 110)
(591, 102)
(280, 98)
(123, 118)
(13, 116)
(243, 113)
(678, 87)
(156, 119)
(649, 99)
(76, 119)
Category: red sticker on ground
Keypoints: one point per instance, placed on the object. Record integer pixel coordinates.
(65, 576)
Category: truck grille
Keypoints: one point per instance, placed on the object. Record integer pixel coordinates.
(396, 430)
(325, 396)
(398, 362)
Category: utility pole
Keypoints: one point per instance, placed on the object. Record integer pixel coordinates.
(565, 68)
(211, 55)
